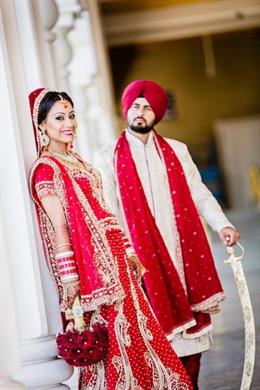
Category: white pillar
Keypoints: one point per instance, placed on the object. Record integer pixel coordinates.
(61, 47)
(34, 302)
(9, 357)
(46, 14)
(104, 81)
(83, 69)
(90, 88)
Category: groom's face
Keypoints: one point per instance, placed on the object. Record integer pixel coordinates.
(140, 116)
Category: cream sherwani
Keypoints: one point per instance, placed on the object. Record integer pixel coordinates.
(154, 180)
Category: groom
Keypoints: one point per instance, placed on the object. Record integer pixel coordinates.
(155, 190)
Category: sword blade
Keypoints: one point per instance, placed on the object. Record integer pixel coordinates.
(247, 310)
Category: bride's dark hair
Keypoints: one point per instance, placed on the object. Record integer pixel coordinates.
(47, 102)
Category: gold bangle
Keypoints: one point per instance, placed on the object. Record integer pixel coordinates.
(62, 245)
(70, 281)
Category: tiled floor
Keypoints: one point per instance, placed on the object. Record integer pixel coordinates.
(222, 366)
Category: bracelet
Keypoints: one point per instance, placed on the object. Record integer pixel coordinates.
(64, 254)
(66, 279)
(76, 279)
(130, 252)
(126, 243)
(66, 266)
(63, 245)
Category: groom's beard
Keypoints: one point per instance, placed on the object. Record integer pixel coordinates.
(141, 127)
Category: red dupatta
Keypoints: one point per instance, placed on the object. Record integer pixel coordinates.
(176, 309)
(97, 269)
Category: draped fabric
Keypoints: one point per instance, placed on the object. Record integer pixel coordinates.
(177, 306)
(97, 268)
(139, 355)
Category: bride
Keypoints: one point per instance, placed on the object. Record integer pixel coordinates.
(89, 255)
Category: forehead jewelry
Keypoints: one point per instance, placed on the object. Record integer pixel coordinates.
(63, 101)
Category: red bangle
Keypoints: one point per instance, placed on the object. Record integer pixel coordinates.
(66, 265)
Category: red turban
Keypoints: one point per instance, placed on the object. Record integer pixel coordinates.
(151, 91)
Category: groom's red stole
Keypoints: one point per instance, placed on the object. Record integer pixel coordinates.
(175, 308)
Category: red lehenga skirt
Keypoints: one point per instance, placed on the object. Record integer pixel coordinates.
(140, 357)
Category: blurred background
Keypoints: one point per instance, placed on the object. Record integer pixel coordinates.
(206, 54)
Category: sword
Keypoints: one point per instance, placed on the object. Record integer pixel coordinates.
(247, 310)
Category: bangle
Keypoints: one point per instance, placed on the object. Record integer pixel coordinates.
(69, 281)
(63, 245)
(66, 266)
(126, 243)
(69, 278)
(130, 251)
(64, 254)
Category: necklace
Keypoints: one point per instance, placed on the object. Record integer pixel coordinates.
(69, 158)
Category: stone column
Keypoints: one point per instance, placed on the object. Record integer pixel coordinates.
(33, 314)
(104, 79)
(61, 47)
(46, 11)
(90, 85)
(83, 69)
(9, 357)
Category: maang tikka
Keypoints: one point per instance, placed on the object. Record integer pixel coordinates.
(63, 101)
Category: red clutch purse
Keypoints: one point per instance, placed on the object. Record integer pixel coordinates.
(82, 345)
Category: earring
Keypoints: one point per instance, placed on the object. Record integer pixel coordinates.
(74, 139)
(44, 139)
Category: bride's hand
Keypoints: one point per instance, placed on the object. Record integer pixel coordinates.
(70, 290)
(137, 266)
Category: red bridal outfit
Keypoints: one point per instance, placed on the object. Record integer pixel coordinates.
(139, 356)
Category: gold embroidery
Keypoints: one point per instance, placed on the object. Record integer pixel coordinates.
(97, 379)
(163, 377)
(36, 106)
(126, 379)
(95, 180)
(106, 263)
(46, 227)
(45, 188)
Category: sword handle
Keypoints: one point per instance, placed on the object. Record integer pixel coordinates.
(232, 254)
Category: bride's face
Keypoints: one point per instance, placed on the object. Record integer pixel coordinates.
(60, 123)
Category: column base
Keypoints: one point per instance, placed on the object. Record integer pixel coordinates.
(8, 383)
(42, 369)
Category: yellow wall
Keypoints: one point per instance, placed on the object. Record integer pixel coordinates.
(179, 67)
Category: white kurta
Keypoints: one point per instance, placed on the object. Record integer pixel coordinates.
(153, 176)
